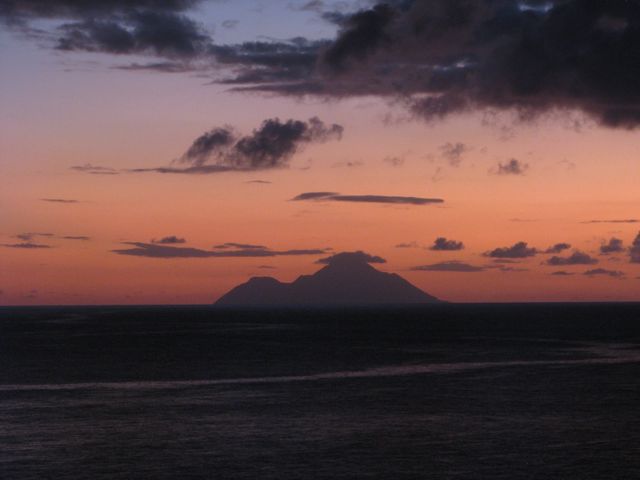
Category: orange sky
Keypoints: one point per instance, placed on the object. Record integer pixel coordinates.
(63, 110)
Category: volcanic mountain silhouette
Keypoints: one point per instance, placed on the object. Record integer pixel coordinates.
(347, 279)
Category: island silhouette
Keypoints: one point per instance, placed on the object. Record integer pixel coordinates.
(346, 279)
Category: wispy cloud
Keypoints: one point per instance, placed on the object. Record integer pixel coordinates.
(60, 200)
(602, 271)
(27, 236)
(83, 238)
(412, 244)
(450, 266)
(151, 250)
(245, 246)
(453, 152)
(627, 220)
(94, 169)
(336, 197)
(26, 245)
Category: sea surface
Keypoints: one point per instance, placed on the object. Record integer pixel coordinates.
(544, 391)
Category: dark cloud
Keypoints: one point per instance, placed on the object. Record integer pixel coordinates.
(263, 62)
(162, 29)
(460, 55)
(439, 57)
(512, 167)
(336, 197)
(59, 200)
(27, 236)
(259, 182)
(151, 250)
(602, 271)
(448, 56)
(170, 240)
(518, 250)
(629, 220)
(274, 143)
(25, 245)
(361, 34)
(576, 258)
(442, 244)
(335, 17)
(136, 32)
(94, 169)
(451, 266)
(453, 152)
(359, 256)
(269, 147)
(385, 199)
(245, 246)
(82, 8)
(634, 251)
(558, 248)
(313, 196)
(613, 246)
(207, 145)
(83, 238)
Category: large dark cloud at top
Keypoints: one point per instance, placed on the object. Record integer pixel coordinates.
(439, 56)
(448, 56)
(474, 54)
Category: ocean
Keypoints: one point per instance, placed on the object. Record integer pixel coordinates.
(527, 391)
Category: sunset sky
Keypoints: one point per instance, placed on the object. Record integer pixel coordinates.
(164, 151)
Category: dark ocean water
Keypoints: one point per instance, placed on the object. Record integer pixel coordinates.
(437, 392)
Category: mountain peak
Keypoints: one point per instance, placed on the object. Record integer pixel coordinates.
(348, 278)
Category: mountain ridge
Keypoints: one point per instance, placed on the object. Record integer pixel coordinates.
(346, 279)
